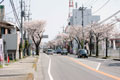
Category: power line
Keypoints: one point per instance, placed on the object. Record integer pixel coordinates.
(89, 2)
(102, 6)
(14, 12)
(86, 3)
(92, 3)
(1, 1)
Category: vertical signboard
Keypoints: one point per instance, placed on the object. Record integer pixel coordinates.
(1, 51)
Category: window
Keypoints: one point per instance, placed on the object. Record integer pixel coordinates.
(2, 30)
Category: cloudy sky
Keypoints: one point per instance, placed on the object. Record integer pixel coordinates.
(55, 12)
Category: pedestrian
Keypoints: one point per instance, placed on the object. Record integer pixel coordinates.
(32, 53)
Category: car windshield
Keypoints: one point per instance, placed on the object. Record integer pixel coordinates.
(82, 51)
(49, 50)
(58, 49)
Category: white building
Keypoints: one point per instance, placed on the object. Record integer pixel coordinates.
(88, 18)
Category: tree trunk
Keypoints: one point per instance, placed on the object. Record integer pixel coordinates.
(71, 47)
(78, 41)
(78, 46)
(90, 46)
(37, 50)
(97, 47)
(82, 44)
(106, 47)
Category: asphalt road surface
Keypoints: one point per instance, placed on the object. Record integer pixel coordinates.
(60, 67)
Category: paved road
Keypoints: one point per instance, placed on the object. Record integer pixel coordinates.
(58, 67)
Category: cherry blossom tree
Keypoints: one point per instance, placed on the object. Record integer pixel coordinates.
(88, 33)
(36, 30)
(100, 33)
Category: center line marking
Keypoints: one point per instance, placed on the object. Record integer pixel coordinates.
(98, 66)
(49, 67)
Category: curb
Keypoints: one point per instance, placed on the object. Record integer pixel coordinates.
(30, 76)
(116, 59)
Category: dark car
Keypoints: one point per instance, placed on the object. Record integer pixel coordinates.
(64, 51)
(59, 51)
(82, 53)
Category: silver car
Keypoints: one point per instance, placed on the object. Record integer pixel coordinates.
(50, 52)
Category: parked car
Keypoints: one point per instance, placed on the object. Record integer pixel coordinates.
(44, 50)
(64, 51)
(54, 51)
(50, 52)
(82, 53)
(58, 51)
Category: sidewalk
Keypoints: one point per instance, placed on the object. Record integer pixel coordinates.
(20, 70)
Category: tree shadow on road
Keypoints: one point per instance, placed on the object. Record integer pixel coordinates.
(114, 64)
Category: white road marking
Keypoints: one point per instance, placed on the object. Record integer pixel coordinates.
(98, 66)
(49, 67)
(46, 55)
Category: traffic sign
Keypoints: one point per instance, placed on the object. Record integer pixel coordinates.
(45, 36)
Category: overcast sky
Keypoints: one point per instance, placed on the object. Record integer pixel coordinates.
(55, 12)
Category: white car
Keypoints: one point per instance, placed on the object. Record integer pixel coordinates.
(50, 51)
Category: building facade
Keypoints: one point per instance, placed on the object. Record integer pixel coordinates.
(11, 40)
(88, 18)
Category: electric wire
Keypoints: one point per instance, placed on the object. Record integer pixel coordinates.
(86, 3)
(15, 13)
(12, 11)
(102, 6)
(90, 2)
(1, 1)
(91, 5)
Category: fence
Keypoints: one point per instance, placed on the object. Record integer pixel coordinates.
(114, 54)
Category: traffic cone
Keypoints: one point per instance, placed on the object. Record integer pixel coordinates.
(8, 59)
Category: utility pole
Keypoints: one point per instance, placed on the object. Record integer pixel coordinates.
(29, 12)
(82, 12)
(21, 28)
(26, 18)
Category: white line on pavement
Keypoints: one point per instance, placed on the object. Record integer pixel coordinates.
(98, 66)
(49, 67)
(46, 55)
